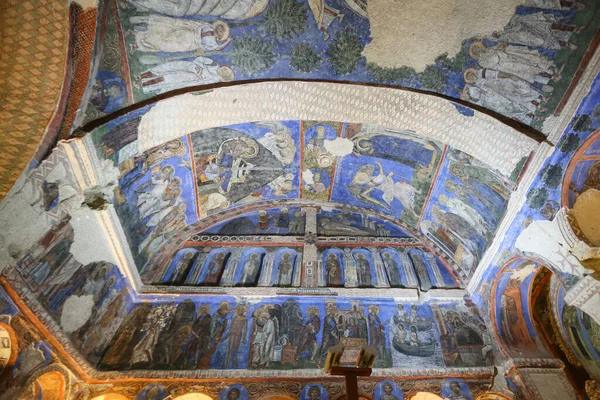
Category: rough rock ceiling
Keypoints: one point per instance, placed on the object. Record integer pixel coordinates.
(518, 58)
(237, 233)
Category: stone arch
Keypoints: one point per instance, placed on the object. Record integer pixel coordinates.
(511, 309)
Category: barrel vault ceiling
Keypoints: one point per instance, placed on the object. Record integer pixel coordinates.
(333, 171)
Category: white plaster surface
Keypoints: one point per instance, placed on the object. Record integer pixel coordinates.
(91, 242)
(76, 311)
(545, 239)
(339, 147)
(413, 33)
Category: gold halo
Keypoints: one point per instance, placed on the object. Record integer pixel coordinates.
(225, 31)
(467, 72)
(226, 73)
(474, 47)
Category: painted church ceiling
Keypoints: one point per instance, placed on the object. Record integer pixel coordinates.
(264, 178)
(518, 58)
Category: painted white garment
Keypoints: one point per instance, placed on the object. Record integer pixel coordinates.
(179, 74)
(401, 191)
(469, 214)
(169, 34)
(228, 9)
(534, 30)
(516, 60)
(511, 88)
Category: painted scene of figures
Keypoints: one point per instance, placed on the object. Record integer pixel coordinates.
(521, 65)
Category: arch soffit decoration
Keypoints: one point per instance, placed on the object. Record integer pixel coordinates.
(498, 145)
(501, 344)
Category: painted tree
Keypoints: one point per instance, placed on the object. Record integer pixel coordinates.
(344, 52)
(455, 64)
(390, 75)
(304, 58)
(569, 143)
(433, 78)
(582, 123)
(285, 18)
(537, 197)
(252, 54)
(552, 175)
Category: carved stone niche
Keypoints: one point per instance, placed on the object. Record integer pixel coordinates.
(558, 247)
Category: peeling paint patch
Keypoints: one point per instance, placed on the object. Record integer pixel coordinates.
(76, 312)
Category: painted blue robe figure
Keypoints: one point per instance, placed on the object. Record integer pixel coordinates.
(218, 326)
(376, 331)
(308, 334)
(330, 333)
(225, 165)
(283, 221)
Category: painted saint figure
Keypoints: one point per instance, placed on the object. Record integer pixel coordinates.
(286, 269)
(391, 270)
(330, 333)
(182, 267)
(513, 321)
(421, 271)
(388, 389)
(174, 75)
(363, 271)
(376, 331)
(308, 334)
(237, 335)
(220, 8)
(263, 341)
(529, 65)
(251, 270)
(167, 34)
(199, 338)
(333, 271)
(215, 269)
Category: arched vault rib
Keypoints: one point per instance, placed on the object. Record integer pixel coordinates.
(166, 253)
(495, 143)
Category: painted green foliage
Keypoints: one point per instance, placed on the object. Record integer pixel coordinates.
(344, 52)
(304, 58)
(252, 54)
(285, 18)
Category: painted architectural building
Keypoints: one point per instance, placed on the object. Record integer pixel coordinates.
(201, 197)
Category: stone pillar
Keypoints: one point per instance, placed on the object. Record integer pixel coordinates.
(310, 270)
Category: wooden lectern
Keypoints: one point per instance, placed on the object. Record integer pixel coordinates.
(350, 361)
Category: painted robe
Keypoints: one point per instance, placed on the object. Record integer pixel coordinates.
(514, 325)
(180, 74)
(168, 34)
(517, 60)
(240, 9)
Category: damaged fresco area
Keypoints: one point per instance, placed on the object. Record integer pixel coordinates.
(197, 183)
(518, 58)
